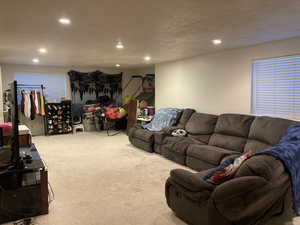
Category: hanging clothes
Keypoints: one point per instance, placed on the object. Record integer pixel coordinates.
(27, 104)
(32, 104)
(36, 103)
(42, 111)
(32, 111)
(38, 95)
(22, 101)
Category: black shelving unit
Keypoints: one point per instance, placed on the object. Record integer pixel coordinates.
(59, 118)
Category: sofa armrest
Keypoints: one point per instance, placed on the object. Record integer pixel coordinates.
(191, 181)
(160, 136)
(265, 166)
(242, 200)
(258, 185)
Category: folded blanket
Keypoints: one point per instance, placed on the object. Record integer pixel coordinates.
(288, 151)
(165, 117)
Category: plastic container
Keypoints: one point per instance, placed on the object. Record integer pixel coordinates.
(151, 110)
(89, 124)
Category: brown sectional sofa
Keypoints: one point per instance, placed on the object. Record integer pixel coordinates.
(259, 193)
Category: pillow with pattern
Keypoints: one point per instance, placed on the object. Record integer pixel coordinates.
(227, 169)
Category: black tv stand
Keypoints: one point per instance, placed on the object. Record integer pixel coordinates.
(24, 190)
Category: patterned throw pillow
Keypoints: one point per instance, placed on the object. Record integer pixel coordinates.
(227, 169)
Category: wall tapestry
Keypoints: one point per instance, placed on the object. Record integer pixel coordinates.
(98, 83)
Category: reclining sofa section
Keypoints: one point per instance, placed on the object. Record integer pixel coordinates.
(260, 191)
(199, 128)
(144, 139)
(229, 138)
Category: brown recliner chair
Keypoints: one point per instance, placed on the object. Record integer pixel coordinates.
(144, 139)
(258, 194)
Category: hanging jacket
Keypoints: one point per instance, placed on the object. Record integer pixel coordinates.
(27, 105)
(42, 105)
(22, 102)
(32, 111)
(38, 94)
(36, 103)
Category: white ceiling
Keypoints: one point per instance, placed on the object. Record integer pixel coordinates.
(165, 29)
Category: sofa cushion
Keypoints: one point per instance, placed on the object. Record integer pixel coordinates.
(255, 146)
(204, 138)
(176, 151)
(231, 131)
(234, 124)
(268, 129)
(201, 123)
(177, 147)
(172, 139)
(228, 142)
(198, 164)
(185, 116)
(207, 153)
(159, 137)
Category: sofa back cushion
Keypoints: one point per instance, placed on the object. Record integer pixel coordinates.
(231, 131)
(185, 116)
(266, 132)
(201, 123)
(200, 126)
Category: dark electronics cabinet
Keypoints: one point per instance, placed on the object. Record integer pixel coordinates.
(58, 118)
(24, 192)
(23, 175)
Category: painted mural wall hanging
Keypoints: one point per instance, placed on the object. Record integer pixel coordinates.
(98, 83)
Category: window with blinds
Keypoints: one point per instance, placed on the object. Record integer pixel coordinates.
(276, 87)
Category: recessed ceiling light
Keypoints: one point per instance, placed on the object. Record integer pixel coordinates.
(35, 60)
(118, 65)
(147, 58)
(119, 45)
(42, 50)
(64, 21)
(217, 41)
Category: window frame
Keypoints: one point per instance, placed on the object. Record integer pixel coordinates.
(253, 87)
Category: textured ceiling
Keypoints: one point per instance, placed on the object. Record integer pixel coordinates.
(165, 29)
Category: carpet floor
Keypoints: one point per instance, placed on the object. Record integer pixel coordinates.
(101, 180)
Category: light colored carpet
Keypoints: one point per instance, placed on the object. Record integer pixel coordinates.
(101, 180)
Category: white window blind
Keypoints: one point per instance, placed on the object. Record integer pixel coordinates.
(276, 87)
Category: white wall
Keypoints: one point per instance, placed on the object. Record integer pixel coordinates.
(215, 83)
(8, 71)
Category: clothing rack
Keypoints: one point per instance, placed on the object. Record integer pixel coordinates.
(35, 86)
(31, 86)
